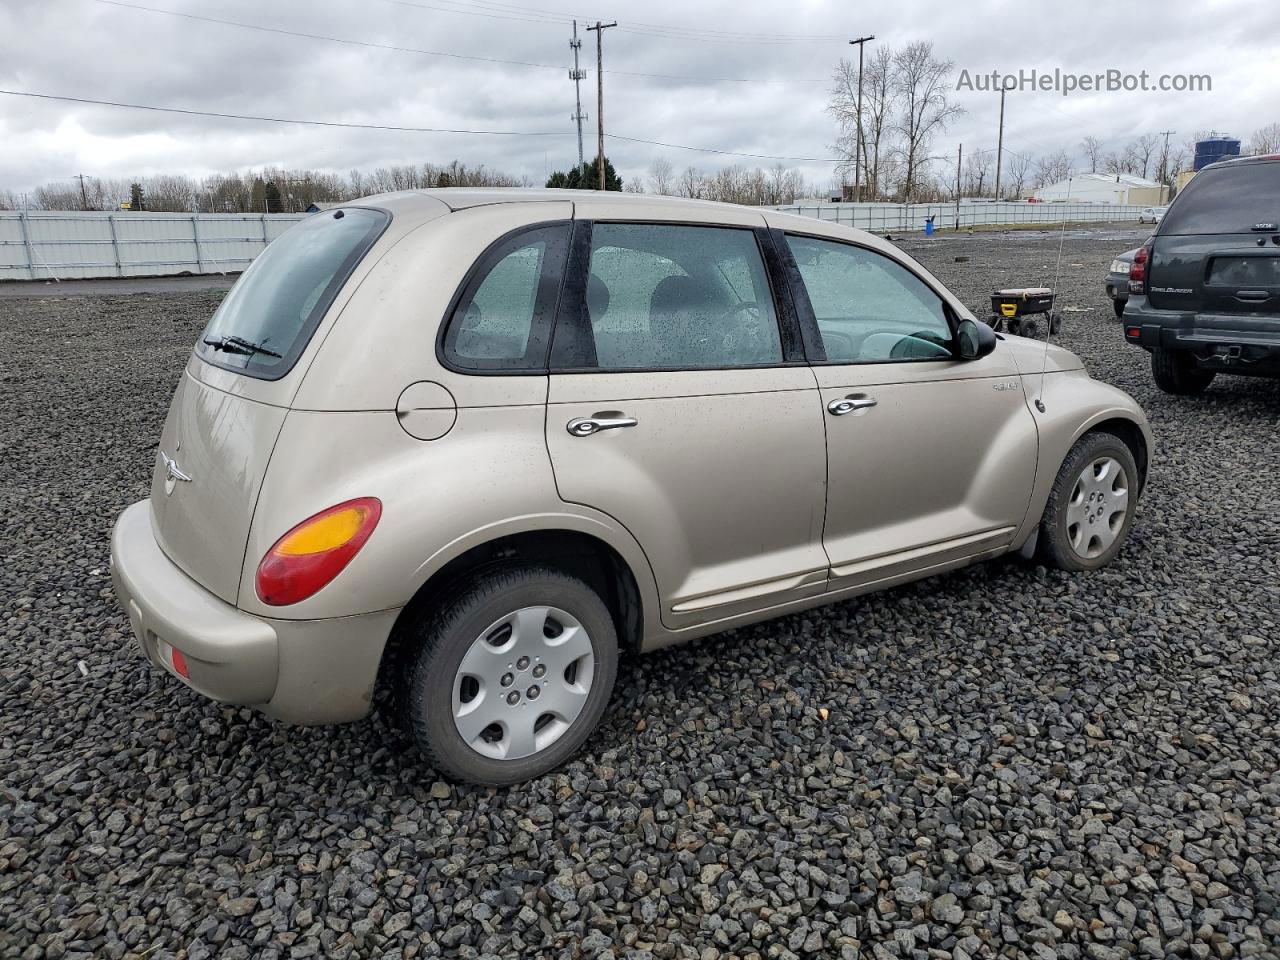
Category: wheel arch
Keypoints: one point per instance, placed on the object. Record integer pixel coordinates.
(611, 564)
(1117, 414)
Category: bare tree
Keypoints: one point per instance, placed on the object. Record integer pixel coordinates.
(920, 81)
(1265, 140)
(878, 97)
(1017, 173)
(978, 171)
(692, 183)
(1052, 168)
(661, 177)
(1142, 149)
(1118, 162)
(1093, 150)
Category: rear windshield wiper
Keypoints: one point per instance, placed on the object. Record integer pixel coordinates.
(238, 345)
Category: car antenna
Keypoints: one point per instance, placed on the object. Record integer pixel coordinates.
(1057, 275)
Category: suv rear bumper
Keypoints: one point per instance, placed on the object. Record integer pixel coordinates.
(301, 671)
(1233, 342)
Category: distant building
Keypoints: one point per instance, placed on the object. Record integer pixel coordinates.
(1121, 188)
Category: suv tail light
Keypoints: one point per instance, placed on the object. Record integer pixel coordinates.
(1138, 270)
(315, 551)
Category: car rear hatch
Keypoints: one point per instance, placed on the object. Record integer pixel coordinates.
(1217, 251)
(235, 393)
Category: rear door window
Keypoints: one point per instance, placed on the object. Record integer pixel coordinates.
(268, 318)
(677, 297)
(1230, 200)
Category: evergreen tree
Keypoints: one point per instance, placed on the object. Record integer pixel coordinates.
(136, 199)
(586, 177)
(271, 196)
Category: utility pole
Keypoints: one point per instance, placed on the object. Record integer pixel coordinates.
(84, 197)
(577, 76)
(600, 28)
(1164, 157)
(959, 156)
(859, 154)
(1000, 142)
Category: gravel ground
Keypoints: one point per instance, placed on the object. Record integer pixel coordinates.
(1003, 761)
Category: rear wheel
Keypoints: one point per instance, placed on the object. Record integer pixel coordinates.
(1176, 372)
(1091, 504)
(506, 682)
(1118, 307)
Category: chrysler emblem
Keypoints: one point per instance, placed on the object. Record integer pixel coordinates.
(172, 473)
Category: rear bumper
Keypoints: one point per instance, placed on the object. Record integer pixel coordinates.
(1220, 341)
(302, 671)
(1118, 286)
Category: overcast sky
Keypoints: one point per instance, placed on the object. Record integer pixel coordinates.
(87, 48)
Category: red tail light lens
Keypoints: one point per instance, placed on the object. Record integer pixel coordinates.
(315, 551)
(1138, 270)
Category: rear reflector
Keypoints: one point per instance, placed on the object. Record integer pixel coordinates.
(1133, 333)
(315, 551)
(180, 663)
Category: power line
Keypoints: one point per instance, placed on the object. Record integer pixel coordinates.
(505, 11)
(728, 153)
(404, 129)
(281, 31)
(292, 120)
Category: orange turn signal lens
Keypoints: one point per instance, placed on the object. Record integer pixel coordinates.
(315, 551)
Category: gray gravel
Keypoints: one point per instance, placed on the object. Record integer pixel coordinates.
(1003, 761)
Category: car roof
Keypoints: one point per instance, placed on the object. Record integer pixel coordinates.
(424, 204)
(1237, 161)
(460, 198)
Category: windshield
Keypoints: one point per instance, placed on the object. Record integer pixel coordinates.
(267, 319)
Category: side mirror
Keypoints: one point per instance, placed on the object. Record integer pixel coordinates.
(974, 340)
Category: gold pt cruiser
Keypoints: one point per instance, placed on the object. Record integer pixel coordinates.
(476, 443)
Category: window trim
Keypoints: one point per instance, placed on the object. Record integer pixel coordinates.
(324, 303)
(551, 284)
(809, 329)
(573, 347)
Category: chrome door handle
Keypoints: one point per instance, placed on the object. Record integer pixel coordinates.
(586, 426)
(842, 405)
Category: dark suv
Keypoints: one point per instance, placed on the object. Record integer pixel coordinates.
(1204, 292)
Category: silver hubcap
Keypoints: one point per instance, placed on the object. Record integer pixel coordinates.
(522, 683)
(1096, 511)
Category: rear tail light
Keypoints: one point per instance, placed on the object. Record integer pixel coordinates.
(315, 551)
(1138, 270)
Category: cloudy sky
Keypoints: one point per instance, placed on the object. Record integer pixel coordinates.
(115, 51)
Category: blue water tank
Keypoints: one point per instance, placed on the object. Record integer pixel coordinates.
(1214, 149)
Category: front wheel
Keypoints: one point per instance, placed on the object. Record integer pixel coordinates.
(1091, 505)
(506, 681)
(1176, 372)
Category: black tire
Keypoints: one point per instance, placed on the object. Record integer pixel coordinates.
(437, 642)
(1118, 307)
(1176, 372)
(1054, 546)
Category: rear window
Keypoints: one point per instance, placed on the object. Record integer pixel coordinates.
(1229, 200)
(267, 319)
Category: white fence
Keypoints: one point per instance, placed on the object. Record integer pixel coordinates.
(47, 244)
(888, 217)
